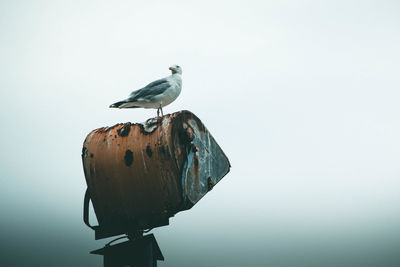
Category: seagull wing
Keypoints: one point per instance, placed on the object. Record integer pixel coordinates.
(149, 91)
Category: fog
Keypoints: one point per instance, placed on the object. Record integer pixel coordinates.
(303, 97)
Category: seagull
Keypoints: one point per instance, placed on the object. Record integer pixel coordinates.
(157, 94)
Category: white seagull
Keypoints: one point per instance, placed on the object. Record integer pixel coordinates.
(157, 94)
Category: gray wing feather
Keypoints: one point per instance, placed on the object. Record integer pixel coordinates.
(150, 90)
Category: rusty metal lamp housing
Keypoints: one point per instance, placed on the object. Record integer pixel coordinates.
(140, 175)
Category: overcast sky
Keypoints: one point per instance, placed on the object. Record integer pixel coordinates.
(303, 96)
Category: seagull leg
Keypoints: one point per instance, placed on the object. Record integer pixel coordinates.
(158, 113)
(162, 114)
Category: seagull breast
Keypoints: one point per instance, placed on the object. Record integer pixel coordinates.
(173, 91)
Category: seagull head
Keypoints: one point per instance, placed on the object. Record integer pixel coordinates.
(175, 69)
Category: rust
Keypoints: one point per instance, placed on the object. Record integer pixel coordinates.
(106, 129)
(190, 133)
(157, 169)
(124, 130)
(164, 152)
(128, 158)
(149, 152)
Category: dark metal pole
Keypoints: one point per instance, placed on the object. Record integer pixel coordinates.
(139, 252)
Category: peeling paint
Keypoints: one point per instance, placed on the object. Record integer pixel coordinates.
(124, 130)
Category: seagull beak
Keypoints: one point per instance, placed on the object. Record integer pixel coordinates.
(171, 68)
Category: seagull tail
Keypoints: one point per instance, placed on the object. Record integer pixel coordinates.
(117, 104)
(124, 104)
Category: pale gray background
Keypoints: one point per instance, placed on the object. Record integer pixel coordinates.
(303, 96)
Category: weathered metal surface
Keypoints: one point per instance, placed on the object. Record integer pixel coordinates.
(139, 175)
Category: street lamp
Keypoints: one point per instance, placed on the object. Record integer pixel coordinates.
(140, 175)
